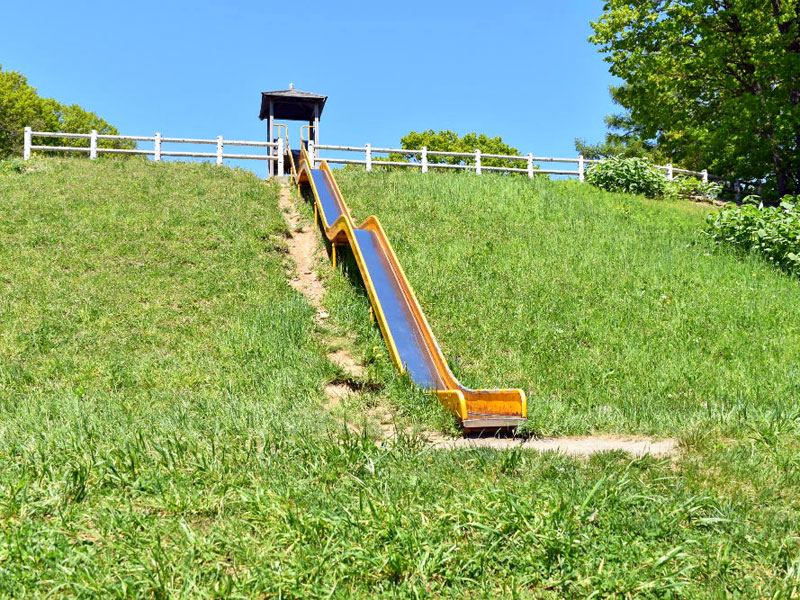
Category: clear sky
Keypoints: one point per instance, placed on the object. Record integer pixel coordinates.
(519, 69)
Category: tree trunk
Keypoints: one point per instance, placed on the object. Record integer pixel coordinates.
(781, 177)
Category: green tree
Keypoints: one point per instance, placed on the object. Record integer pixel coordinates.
(625, 138)
(716, 83)
(21, 106)
(449, 141)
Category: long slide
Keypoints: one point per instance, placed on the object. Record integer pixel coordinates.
(408, 336)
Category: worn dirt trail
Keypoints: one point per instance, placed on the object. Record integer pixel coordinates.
(303, 249)
(571, 446)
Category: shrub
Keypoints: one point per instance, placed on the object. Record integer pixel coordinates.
(772, 231)
(629, 175)
(689, 187)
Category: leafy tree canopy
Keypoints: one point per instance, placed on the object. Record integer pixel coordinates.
(21, 106)
(716, 83)
(625, 139)
(449, 141)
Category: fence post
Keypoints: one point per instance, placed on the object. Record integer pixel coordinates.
(530, 165)
(669, 172)
(581, 173)
(280, 156)
(26, 151)
(705, 175)
(424, 159)
(157, 147)
(368, 155)
(738, 190)
(478, 161)
(220, 149)
(311, 154)
(93, 145)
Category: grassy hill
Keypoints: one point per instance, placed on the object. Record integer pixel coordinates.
(161, 422)
(611, 311)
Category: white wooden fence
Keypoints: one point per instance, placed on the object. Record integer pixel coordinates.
(274, 155)
(474, 162)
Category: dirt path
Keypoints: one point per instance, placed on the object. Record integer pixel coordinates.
(303, 249)
(571, 446)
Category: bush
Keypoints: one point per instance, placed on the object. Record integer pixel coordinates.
(689, 187)
(772, 231)
(628, 175)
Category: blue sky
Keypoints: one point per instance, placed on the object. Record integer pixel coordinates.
(519, 69)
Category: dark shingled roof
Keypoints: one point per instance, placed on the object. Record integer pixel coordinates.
(294, 105)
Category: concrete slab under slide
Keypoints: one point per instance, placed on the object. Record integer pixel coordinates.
(570, 446)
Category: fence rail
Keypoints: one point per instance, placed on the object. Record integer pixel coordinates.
(274, 155)
(276, 151)
(419, 160)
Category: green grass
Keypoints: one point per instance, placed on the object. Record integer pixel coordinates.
(161, 430)
(609, 310)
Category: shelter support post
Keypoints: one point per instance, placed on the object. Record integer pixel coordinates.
(315, 157)
(270, 136)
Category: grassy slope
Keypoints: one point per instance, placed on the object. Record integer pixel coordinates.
(616, 316)
(611, 311)
(160, 433)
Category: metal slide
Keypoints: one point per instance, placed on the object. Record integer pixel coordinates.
(408, 336)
